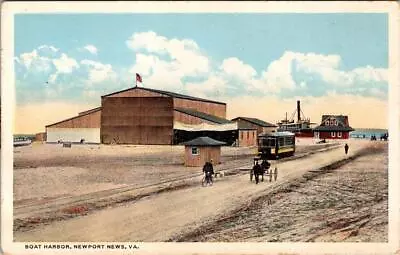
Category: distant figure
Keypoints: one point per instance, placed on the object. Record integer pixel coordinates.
(346, 148)
(208, 170)
(257, 171)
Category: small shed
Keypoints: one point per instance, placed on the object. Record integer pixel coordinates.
(202, 149)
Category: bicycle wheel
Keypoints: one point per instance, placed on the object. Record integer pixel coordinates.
(203, 181)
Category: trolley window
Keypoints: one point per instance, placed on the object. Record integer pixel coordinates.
(289, 140)
(281, 141)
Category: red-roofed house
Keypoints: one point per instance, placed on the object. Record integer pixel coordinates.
(333, 127)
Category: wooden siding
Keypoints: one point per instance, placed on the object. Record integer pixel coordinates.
(206, 153)
(260, 129)
(247, 138)
(137, 120)
(91, 120)
(189, 119)
(138, 93)
(328, 135)
(206, 107)
(268, 130)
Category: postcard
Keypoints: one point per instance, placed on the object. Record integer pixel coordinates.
(200, 128)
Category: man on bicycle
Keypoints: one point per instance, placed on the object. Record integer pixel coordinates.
(208, 170)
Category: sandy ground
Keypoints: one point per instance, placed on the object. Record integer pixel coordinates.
(48, 171)
(156, 218)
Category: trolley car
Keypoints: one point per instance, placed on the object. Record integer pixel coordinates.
(276, 145)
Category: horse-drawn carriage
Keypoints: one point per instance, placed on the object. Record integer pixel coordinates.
(266, 169)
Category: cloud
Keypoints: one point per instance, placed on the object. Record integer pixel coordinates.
(176, 61)
(91, 48)
(65, 64)
(46, 74)
(32, 61)
(280, 73)
(234, 67)
(48, 48)
(214, 86)
(98, 71)
(160, 58)
(327, 68)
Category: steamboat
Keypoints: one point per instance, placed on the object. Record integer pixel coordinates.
(301, 127)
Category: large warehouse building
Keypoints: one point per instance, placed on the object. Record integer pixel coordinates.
(141, 115)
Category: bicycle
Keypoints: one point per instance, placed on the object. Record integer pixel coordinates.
(207, 179)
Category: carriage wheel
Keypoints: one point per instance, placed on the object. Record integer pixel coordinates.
(276, 173)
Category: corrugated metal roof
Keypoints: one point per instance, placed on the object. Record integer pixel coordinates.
(256, 121)
(203, 115)
(204, 141)
(167, 93)
(245, 126)
(282, 133)
(90, 111)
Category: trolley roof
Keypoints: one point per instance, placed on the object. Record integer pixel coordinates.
(278, 134)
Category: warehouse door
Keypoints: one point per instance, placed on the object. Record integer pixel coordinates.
(137, 120)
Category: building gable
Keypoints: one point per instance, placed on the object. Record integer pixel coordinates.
(141, 91)
(338, 123)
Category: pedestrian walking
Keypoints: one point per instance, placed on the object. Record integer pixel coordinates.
(346, 148)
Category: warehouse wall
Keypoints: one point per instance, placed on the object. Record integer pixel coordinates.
(247, 138)
(201, 106)
(74, 135)
(136, 120)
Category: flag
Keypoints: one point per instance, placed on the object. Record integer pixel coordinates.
(138, 78)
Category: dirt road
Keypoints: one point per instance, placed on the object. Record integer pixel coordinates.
(348, 203)
(160, 217)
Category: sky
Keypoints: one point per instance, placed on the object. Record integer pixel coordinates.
(258, 63)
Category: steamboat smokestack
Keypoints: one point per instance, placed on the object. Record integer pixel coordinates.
(298, 110)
